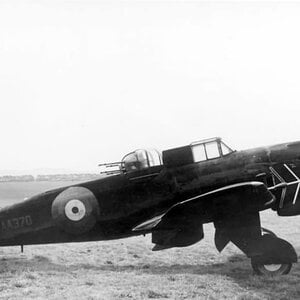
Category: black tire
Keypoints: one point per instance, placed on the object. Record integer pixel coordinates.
(271, 270)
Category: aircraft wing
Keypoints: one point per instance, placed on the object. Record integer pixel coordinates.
(233, 206)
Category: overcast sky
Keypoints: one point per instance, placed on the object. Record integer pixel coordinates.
(84, 82)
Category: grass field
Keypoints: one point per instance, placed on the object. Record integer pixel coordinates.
(128, 269)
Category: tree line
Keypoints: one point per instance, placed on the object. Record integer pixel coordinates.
(52, 177)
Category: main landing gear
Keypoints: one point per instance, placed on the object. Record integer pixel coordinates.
(275, 256)
(272, 269)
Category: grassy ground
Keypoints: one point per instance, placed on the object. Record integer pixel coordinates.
(128, 269)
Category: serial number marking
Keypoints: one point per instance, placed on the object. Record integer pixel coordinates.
(16, 223)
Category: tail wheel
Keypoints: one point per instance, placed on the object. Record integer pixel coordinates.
(271, 270)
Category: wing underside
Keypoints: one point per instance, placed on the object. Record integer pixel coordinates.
(234, 210)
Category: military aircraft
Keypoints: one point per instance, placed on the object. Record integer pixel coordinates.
(171, 195)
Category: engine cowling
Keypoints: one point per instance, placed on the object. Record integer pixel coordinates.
(75, 210)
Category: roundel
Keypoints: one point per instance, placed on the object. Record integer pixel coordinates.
(75, 210)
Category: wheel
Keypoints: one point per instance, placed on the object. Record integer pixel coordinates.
(271, 270)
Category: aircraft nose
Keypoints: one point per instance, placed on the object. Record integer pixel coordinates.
(285, 152)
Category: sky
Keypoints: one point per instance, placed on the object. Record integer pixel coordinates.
(84, 82)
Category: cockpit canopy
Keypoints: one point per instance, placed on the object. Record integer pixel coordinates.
(141, 159)
(209, 149)
(195, 152)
